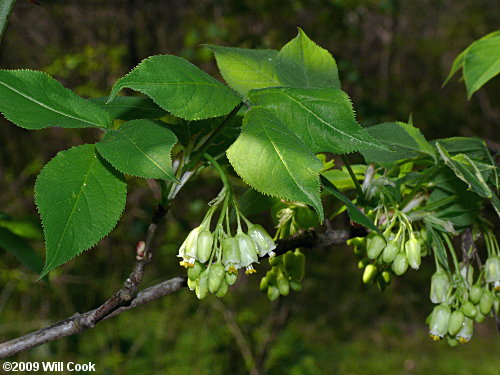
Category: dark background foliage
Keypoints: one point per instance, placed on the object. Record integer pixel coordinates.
(393, 56)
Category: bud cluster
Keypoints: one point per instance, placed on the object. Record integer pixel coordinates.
(286, 273)
(401, 247)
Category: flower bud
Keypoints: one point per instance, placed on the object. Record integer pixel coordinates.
(486, 302)
(400, 264)
(204, 244)
(455, 322)
(439, 287)
(222, 289)
(390, 251)
(215, 277)
(492, 269)
(262, 239)
(475, 294)
(370, 273)
(299, 266)
(374, 246)
(283, 284)
(231, 254)
(479, 316)
(248, 251)
(273, 293)
(202, 285)
(191, 284)
(194, 272)
(295, 285)
(469, 310)
(231, 277)
(438, 327)
(263, 284)
(412, 248)
(288, 260)
(465, 333)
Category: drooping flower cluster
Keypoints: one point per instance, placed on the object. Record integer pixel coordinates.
(213, 258)
(402, 246)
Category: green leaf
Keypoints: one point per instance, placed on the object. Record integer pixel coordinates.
(130, 108)
(323, 118)
(21, 250)
(34, 100)
(252, 202)
(465, 169)
(274, 161)
(404, 141)
(342, 179)
(179, 87)
(80, 199)
(461, 212)
(246, 69)
(354, 212)
(302, 63)
(473, 147)
(437, 244)
(481, 63)
(495, 202)
(140, 148)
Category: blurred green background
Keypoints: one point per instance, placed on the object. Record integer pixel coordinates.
(393, 56)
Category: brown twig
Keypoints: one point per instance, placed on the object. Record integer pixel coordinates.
(127, 297)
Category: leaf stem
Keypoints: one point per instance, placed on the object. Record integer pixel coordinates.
(353, 177)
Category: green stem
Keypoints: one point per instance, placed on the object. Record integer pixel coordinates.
(6, 7)
(353, 176)
(219, 169)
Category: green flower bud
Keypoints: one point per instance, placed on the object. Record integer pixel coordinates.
(262, 239)
(295, 285)
(439, 287)
(390, 251)
(479, 316)
(271, 276)
(188, 249)
(299, 266)
(231, 254)
(492, 269)
(400, 264)
(273, 293)
(455, 322)
(370, 273)
(248, 252)
(475, 294)
(231, 277)
(202, 285)
(357, 241)
(469, 310)
(191, 284)
(222, 289)
(283, 284)
(387, 277)
(263, 284)
(465, 333)
(412, 248)
(204, 245)
(215, 277)
(359, 251)
(289, 260)
(363, 263)
(374, 246)
(438, 327)
(452, 341)
(194, 272)
(275, 260)
(486, 302)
